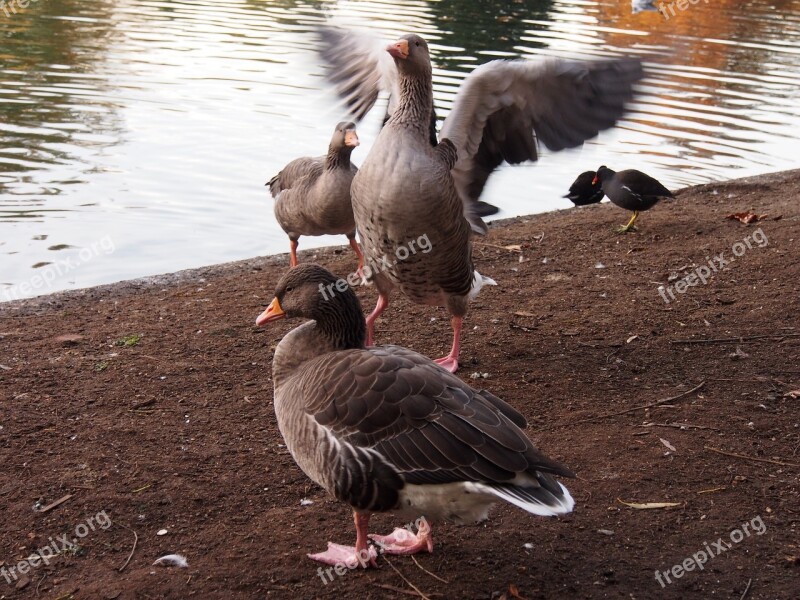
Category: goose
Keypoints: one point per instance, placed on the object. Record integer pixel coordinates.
(312, 195)
(631, 190)
(385, 429)
(585, 190)
(407, 188)
(358, 82)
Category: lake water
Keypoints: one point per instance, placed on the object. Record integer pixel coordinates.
(136, 136)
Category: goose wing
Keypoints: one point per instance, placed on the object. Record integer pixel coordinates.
(503, 109)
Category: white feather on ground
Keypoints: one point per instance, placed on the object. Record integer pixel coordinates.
(172, 560)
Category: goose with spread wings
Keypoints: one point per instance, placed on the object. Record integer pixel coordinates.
(408, 189)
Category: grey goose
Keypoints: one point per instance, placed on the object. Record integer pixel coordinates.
(385, 429)
(407, 188)
(312, 195)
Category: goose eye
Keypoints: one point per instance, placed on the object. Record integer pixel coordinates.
(416, 44)
(289, 289)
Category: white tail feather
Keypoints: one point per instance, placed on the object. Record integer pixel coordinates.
(559, 506)
(478, 281)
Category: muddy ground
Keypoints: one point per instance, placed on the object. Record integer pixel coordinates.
(154, 414)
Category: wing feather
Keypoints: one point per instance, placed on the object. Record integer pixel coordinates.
(504, 107)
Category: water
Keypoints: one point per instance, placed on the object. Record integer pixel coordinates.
(136, 136)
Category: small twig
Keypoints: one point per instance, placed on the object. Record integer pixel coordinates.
(712, 490)
(434, 575)
(58, 502)
(747, 589)
(498, 247)
(753, 458)
(135, 541)
(680, 426)
(736, 339)
(39, 584)
(394, 588)
(415, 588)
(651, 405)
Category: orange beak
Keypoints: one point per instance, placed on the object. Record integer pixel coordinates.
(399, 49)
(350, 138)
(594, 181)
(273, 313)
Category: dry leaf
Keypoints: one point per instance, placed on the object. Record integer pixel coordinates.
(648, 505)
(667, 444)
(630, 339)
(524, 313)
(514, 591)
(747, 217)
(794, 394)
(514, 247)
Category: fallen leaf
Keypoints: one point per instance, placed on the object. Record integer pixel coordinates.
(514, 247)
(746, 217)
(648, 505)
(524, 313)
(794, 394)
(630, 339)
(514, 591)
(667, 444)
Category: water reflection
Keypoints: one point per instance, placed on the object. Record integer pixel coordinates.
(156, 122)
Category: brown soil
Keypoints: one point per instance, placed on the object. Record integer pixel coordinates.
(176, 431)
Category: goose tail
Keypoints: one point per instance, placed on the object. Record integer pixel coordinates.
(547, 499)
(478, 281)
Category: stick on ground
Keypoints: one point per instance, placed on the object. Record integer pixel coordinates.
(753, 458)
(651, 405)
(135, 541)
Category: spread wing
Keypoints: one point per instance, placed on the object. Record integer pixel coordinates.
(359, 67)
(503, 108)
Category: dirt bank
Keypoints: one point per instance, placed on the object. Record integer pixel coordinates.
(156, 411)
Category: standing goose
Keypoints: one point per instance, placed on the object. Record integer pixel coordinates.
(312, 195)
(360, 69)
(585, 190)
(631, 190)
(384, 429)
(407, 189)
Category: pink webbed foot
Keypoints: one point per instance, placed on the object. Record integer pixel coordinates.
(337, 554)
(448, 363)
(403, 541)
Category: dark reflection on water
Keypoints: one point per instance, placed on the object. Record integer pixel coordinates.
(153, 124)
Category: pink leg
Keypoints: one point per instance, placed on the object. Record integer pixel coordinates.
(357, 250)
(404, 541)
(450, 362)
(292, 253)
(350, 556)
(383, 302)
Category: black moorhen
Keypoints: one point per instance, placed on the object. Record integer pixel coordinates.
(631, 190)
(585, 190)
